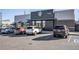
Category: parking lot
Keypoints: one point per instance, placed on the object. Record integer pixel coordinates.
(44, 41)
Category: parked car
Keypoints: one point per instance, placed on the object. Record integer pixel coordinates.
(0, 30)
(33, 30)
(20, 31)
(6, 31)
(61, 30)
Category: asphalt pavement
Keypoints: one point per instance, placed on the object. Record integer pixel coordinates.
(44, 41)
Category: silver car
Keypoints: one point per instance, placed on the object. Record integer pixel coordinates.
(6, 30)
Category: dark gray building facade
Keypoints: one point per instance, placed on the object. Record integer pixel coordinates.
(66, 17)
(50, 18)
(43, 18)
(42, 15)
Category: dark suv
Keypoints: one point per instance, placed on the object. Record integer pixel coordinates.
(61, 30)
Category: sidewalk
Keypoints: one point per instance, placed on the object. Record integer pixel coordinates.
(73, 32)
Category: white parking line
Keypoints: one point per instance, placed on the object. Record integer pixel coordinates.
(69, 39)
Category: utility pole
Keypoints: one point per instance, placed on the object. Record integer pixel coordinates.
(24, 12)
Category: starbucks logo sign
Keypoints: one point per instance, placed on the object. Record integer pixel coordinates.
(39, 13)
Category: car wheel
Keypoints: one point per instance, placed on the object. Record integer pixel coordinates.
(65, 36)
(35, 33)
(54, 35)
(40, 32)
(23, 33)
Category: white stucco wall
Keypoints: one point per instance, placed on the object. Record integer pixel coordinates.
(22, 18)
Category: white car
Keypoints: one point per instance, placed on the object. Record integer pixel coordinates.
(33, 30)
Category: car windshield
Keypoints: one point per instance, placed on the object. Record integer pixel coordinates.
(59, 27)
(29, 27)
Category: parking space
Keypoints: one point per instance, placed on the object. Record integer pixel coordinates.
(44, 41)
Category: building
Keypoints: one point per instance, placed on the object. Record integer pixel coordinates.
(6, 23)
(21, 19)
(41, 18)
(50, 18)
(66, 17)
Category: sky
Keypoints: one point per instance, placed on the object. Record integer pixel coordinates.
(10, 13)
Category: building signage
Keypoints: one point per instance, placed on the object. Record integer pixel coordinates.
(42, 15)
